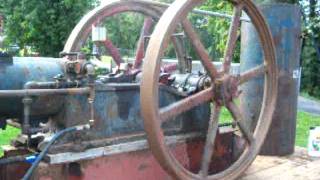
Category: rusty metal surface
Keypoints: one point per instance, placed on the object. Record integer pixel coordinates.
(141, 47)
(113, 51)
(15, 75)
(117, 113)
(13, 171)
(224, 89)
(118, 145)
(140, 164)
(115, 108)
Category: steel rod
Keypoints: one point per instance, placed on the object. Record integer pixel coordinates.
(216, 14)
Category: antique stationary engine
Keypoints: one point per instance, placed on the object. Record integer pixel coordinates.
(84, 125)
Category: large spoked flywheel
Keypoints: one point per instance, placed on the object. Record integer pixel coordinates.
(222, 93)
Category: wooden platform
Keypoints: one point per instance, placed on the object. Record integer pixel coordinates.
(295, 167)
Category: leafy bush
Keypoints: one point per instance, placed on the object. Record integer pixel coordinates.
(42, 25)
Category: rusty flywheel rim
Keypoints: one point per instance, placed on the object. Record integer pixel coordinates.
(153, 115)
(81, 32)
(83, 28)
(152, 10)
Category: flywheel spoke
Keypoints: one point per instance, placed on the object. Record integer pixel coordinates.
(200, 49)
(113, 51)
(232, 38)
(237, 116)
(211, 136)
(148, 22)
(185, 104)
(253, 73)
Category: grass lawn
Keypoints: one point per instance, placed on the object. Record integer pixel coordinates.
(7, 135)
(304, 122)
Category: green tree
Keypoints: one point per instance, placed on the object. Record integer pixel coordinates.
(311, 48)
(124, 31)
(214, 33)
(43, 25)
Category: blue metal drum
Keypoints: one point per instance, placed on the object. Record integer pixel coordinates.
(285, 24)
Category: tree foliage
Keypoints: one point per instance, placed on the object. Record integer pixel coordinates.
(311, 47)
(124, 31)
(43, 25)
(277, 1)
(213, 30)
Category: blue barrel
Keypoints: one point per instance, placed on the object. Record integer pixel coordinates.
(15, 73)
(285, 23)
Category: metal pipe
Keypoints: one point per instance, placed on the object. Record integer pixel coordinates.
(50, 143)
(52, 85)
(26, 114)
(43, 92)
(40, 85)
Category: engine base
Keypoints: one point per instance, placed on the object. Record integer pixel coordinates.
(130, 160)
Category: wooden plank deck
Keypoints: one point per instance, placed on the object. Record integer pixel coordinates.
(298, 166)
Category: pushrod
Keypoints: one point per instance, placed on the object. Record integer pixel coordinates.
(209, 13)
(216, 14)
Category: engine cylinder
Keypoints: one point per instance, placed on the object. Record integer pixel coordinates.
(16, 72)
